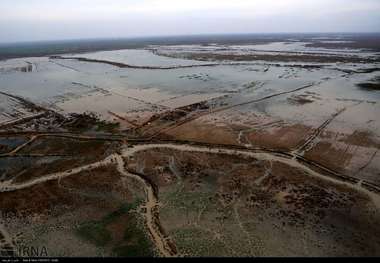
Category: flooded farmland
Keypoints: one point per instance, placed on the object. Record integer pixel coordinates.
(212, 149)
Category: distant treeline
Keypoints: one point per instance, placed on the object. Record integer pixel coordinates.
(36, 49)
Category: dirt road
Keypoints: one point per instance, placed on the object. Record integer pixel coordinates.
(151, 214)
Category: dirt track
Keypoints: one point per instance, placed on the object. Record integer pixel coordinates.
(152, 203)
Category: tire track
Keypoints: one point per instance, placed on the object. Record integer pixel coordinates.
(151, 211)
(304, 147)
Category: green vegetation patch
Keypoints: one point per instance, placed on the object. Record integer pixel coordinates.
(135, 242)
(124, 209)
(96, 231)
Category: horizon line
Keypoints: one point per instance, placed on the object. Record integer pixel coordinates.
(176, 35)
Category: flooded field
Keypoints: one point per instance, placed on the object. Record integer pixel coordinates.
(211, 149)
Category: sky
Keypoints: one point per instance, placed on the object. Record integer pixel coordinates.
(32, 20)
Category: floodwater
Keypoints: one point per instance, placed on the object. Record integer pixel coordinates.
(291, 46)
(77, 86)
(137, 57)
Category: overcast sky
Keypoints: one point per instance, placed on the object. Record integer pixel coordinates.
(29, 20)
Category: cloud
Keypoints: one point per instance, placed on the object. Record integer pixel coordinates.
(92, 9)
(102, 18)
